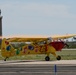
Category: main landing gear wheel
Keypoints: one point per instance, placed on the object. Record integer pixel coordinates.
(58, 58)
(47, 58)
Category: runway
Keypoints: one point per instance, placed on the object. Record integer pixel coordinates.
(32, 67)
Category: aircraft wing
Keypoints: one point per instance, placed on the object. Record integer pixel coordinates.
(27, 38)
(38, 38)
(63, 36)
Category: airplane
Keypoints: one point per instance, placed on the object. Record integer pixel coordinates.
(34, 45)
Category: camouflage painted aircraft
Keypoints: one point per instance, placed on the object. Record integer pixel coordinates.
(34, 45)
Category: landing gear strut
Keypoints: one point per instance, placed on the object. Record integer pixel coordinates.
(47, 58)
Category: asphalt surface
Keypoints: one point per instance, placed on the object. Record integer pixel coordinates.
(37, 68)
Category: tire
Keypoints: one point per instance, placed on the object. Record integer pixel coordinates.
(47, 58)
(58, 58)
(5, 59)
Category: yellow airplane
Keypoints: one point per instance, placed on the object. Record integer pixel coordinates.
(34, 45)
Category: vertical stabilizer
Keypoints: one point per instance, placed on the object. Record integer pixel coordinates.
(7, 50)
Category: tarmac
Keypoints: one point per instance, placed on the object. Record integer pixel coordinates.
(12, 62)
(34, 67)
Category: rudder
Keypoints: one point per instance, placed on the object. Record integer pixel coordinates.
(7, 50)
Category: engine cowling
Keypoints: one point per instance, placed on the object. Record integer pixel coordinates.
(58, 45)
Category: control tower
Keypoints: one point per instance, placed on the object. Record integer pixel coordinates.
(0, 27)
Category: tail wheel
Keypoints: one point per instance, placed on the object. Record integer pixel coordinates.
(47, 58)
(5, 59)
(58, 58)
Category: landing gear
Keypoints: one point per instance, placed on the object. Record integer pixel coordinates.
(58, 58)
(5, 59)
(47, 58)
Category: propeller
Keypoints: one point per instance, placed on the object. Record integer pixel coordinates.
(74, 37)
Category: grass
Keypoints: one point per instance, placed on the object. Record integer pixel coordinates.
(68, 54)
(65, 55)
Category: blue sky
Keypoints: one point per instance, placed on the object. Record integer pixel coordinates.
(38, 17)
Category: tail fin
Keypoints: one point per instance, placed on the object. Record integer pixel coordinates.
(7, 50)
